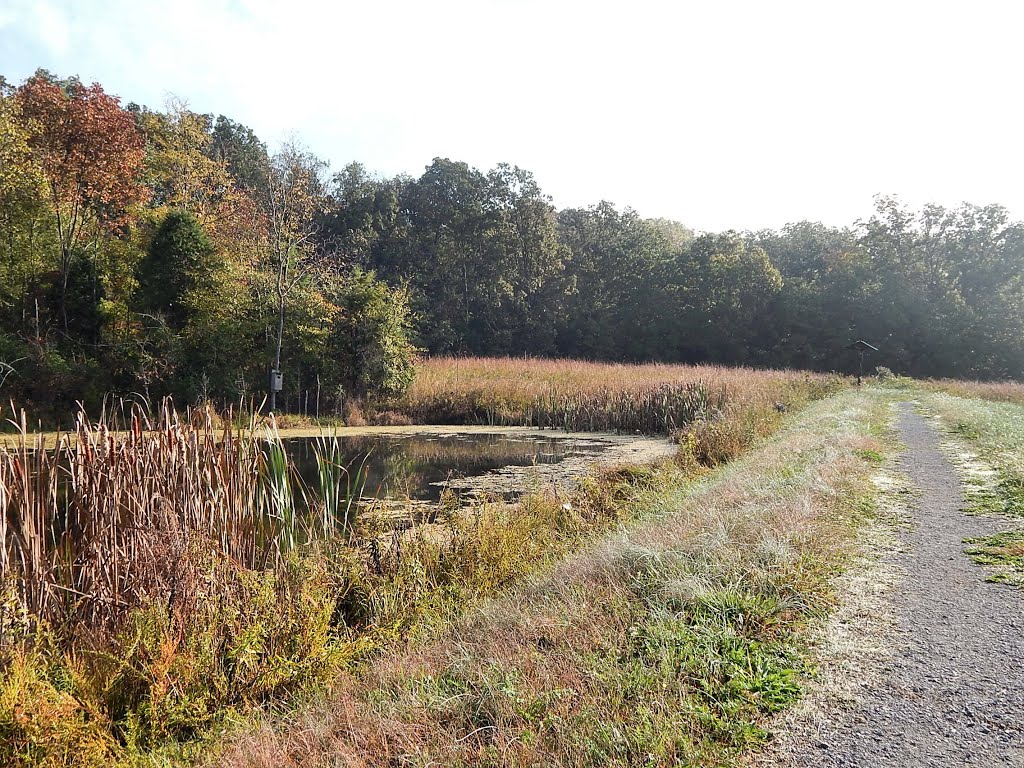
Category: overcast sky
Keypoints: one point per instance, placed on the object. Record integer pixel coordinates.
(719, 114)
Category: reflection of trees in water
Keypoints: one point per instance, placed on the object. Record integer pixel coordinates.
(405, 467)
(401, 475)
(468, 450)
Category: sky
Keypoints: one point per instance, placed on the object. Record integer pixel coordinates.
(721, 115)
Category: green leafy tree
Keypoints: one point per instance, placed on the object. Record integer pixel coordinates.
(722, 290)
(294, 197)
(25, 237)
(529, 261)
(618, 266)
(244, 155)
(179, 268)
(455, 284)
(369, 344)
(363, 223)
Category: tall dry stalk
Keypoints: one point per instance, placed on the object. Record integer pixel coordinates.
(578, 395)
(104, 520)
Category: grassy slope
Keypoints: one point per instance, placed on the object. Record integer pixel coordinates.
(669, 642)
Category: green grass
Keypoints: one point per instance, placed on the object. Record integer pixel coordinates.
(875, 457)
(1003, 550)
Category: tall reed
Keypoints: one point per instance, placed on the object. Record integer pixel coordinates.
(580, 396)
(340, 488)
(100, 520)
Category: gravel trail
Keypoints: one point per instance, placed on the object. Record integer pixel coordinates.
(952, 692)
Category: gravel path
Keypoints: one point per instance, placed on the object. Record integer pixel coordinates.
(952, 693)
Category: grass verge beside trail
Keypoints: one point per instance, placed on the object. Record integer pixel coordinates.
(994, 434)
(993, 469)
(1003, 550)
(670, 642)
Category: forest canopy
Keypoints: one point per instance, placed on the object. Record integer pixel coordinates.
(169, 252)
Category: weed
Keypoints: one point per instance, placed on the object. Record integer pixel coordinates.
(875, 457)
(1004, 550)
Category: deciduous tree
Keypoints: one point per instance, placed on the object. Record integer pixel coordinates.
(91, 156)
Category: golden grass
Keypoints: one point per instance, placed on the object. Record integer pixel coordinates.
(999, 391)
(588, 396)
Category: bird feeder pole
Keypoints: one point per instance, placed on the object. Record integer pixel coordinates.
(861, 347)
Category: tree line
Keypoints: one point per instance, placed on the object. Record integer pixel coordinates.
(159, 253)
(494, 268)
(169, 252)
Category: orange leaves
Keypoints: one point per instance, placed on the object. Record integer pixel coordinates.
(88, 148)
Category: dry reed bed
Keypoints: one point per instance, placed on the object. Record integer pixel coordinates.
(586, 396)
(668, 644)
(96, 524)
(999, 391)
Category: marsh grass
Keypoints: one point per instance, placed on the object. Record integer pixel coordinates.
(158, 583)
(94, 524)
(997, 391)
(577, 395)
(668, 642)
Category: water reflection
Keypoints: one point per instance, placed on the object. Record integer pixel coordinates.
(418, 466)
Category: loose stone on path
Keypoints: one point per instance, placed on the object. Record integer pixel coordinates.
(952, 692)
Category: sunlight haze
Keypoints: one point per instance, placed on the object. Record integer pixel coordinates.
(728, 115)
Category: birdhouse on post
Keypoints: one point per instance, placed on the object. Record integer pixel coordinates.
(275, 384)
(860, 347)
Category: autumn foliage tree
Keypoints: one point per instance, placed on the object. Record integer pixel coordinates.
(91, 155)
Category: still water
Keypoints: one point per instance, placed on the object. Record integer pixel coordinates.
(420, 466)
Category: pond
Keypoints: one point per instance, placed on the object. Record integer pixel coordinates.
(421, 466)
